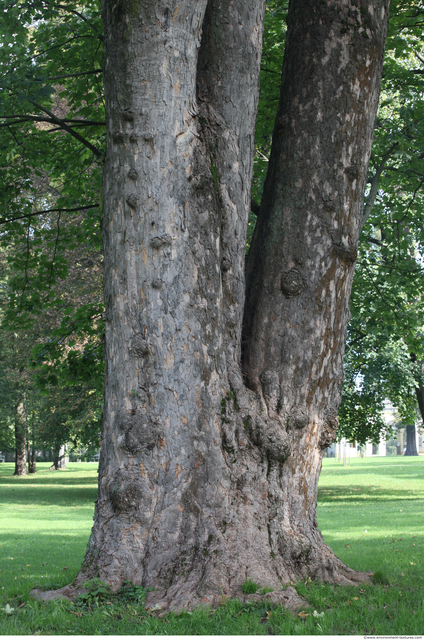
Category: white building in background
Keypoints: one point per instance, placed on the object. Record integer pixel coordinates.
(344, 450)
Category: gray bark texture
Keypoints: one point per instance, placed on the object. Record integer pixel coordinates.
(210, 459)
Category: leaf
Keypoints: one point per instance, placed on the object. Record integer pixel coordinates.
(8, 609)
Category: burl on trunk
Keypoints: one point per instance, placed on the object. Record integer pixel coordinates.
(211, 452)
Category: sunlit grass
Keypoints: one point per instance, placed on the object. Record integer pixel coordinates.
(44, 526)
(371, 514)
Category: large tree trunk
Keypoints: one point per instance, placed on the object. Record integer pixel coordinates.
(204, 480)
(301, 263)
(20, 439)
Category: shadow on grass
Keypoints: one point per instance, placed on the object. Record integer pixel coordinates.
(391, 467)
(50, 488)
(50, 496)
(339, 493)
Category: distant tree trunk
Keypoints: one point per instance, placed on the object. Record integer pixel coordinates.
(59, 461)
(20, 439)
(204, 480)
(411, 441)
(32, 459)
(32, 463)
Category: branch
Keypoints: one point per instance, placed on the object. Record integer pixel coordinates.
(373, 240)
(38, 213)
(270, 71)
(254, 207)
(68, 75)
(73, 133)
(374, 184)
(28, 118)
(80, 15)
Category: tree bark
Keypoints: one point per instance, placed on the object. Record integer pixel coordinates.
(20, 439)
(204, 481)
(411, 441)
(301, 262)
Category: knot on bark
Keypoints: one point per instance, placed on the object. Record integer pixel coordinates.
(132, 200)
(158, 241)
(125, 493)
(272, 439)
(157, 283)
(270, 381)
(292, 283)
(353, 172)
(347, 254)
(118, 137)
(141, 432)
(298, 418)
(139, 347)
(128, 116)
(132, 174)
(225, 264)
(329, 429)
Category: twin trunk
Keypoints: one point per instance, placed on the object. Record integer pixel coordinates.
(210, 457)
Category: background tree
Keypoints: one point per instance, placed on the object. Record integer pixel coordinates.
(384, 345)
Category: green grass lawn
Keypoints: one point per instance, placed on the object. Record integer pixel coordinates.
(370, 513)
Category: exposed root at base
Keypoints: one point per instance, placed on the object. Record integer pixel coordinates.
(288, 598)
(65, 593)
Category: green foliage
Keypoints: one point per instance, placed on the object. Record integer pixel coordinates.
(384, 351)
(249, 587)
(52, 141)
(97, 592)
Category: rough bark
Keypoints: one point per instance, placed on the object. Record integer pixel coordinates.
(20, 439)
(301, 263)
(411, 441)
(202, 480)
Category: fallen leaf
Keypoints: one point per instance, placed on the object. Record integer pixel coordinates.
(347, 545)
(412, 563)
(355, 598)
(303, 615)
(64, 568)
(8, 609)
(362, 591)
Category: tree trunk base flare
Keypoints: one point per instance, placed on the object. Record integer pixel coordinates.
(257, 523)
